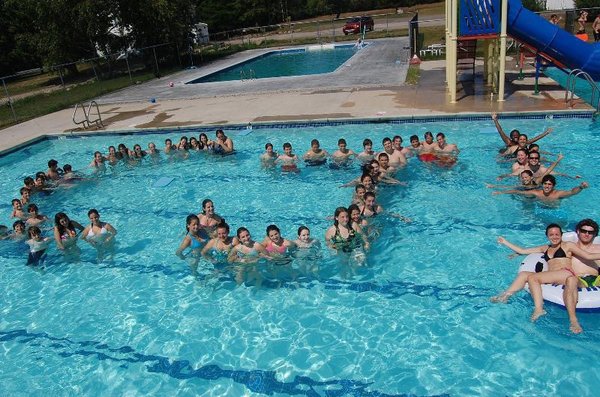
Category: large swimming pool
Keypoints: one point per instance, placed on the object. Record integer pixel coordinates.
(415, 321)
(314, 59)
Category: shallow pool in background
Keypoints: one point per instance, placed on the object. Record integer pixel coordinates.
(415, 321)
(314, 59)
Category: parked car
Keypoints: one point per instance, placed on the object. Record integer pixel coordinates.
(356, 25)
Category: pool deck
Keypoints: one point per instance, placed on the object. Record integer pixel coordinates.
(369, 85)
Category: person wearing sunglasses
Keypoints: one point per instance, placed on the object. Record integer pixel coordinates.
(586, 270)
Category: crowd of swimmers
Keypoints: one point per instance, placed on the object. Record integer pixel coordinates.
(209, 237)
(570, 264)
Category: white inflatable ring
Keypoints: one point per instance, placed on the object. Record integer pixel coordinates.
(589, 298)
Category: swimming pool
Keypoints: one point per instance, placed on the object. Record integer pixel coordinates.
(415, 321)
(315, 59)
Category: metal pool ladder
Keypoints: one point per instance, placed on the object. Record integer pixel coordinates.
(87, 121)
(572, 82)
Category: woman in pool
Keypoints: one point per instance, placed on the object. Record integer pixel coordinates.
(275, 245)
(99, 234)
(65, 234)
(513, 139)
(113, 156)
(370, 209)
(124, 152)
(204, 143)
(356, 218)
(208, 219)
(194, 145)
(248, 250)
(558, 256)
(342, 236)
(138, 153)
(304, 241)
(193, 239)
(218, 248)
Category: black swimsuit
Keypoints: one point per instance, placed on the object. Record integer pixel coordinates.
(560, 253)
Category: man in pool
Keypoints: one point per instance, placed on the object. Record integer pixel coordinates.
(587, 271)
(415, 147)
(343, 154)
(267, 159)
(548, 192)
(53, 171)
(513, 139)
(368, 153)
(315, 155)
(288, 160)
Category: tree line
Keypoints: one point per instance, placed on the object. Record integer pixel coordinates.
(35, 33)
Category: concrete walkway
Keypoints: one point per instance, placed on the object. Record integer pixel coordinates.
(369, 85)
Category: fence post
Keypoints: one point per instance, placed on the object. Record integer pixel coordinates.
(128, 68)
(9, 100)
(156, 63)
(94, 69)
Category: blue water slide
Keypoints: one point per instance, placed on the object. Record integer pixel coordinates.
(551, 40)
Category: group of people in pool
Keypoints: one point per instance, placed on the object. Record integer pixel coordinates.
(222, 145)
(572, 264)
(29, 228)
(208, 235)
(390, 159)
(534, 178)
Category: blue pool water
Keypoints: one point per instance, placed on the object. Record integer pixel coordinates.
(415, 321)
(294, 62)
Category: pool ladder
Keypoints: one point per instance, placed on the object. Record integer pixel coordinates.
(572, 83)
(250, 75)
(87, 121)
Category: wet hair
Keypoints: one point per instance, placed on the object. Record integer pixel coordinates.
(315, 142)
(337, 213)
(112, 147)
(359, 186)
(520, 135)
(271, 228)
(204, 203)
(32, 207)
(286, 145)
(189, 219)
(168, 140)
(552, 226)
(367, 169)
(24, 189)
(513, 133)
(219, 130)
(550, 178)
(587, 222)
(15, 200)
(268, 144)
(414, 138)
(40, 175)
(17, 223)
(61, 229)
(52, 163)
(533, 146)
(28, 181)
(364, 176)
(241, 230)
(522, 150)
(342, 141)
(67, 168)
(93, 211)
(353, 207)
(33, 230)
(97, 152)
(223, 225)
(136, 146)
(369, 194)
(397, 137)
(367, 141)
(440, 134)
(302, 228)
(528, 172)
(385, 140)
(383, 154)
(428, 133)
(202, 135)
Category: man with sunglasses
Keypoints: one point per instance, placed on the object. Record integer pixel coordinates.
(587, 271)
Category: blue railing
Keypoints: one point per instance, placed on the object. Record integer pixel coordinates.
(479, 17)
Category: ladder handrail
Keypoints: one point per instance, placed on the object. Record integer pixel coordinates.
(84, 121)
(98, 120)
(572, 83)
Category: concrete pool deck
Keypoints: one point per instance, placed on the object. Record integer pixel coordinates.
(369, 85)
